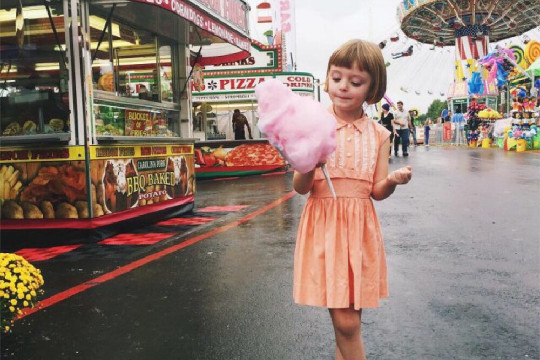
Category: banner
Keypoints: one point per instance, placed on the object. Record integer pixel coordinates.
(447, 131)
(232, 13)
(122, 184)
(52, 183)
(15, 155)
(224, 88)
(229, 159)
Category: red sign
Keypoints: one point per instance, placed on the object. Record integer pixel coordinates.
(286, 18)
(137, 122)
(447, 131)
(230, 12)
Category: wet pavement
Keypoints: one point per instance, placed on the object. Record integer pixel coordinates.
(462, 242)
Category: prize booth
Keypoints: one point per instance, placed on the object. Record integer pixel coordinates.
(96, 124)
(225, 94)
(458, 130)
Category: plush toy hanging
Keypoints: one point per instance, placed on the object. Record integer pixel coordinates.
(476, 85)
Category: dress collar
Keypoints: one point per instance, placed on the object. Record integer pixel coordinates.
(360, 124)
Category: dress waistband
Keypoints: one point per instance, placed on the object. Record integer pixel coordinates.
(345, 188)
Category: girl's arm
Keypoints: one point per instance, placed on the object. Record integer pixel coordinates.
(303, 183)
(384, 184)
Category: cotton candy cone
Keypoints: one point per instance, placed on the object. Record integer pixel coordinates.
(299, 127)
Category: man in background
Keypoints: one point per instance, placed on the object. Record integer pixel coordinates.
(239, 122)
(402, 122)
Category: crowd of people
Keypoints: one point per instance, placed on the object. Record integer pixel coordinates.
(401, 125)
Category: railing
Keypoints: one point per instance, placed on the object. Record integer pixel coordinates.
(457, 135)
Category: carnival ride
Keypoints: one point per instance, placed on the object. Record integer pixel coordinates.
(448, 34)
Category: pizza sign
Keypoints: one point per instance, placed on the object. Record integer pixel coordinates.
(231, 84)
(248, 83)
(243, 87)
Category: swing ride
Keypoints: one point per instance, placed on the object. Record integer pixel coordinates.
(469, 26)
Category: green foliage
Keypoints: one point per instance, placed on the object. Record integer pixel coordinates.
(420, 120)
(434, 110)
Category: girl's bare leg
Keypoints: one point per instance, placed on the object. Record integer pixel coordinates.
(347, 328)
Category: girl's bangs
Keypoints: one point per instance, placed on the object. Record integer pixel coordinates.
(349, 57)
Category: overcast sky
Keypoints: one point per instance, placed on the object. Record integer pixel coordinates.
(321, 27)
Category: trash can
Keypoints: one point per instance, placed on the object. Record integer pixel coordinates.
(486, 143)
(536, 142)
(521, 145)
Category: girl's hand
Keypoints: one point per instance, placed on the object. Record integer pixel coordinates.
(401, 176)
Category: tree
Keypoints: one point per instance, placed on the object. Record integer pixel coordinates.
(434, 110)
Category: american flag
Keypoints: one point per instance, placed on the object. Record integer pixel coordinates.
(471, 47)
(472, 42)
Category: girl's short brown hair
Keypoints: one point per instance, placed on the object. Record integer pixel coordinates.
(367, 57)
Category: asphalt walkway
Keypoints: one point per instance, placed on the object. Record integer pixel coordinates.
(463, 252)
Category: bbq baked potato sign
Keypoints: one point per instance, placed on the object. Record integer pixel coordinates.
(52, 184)
(161, 173)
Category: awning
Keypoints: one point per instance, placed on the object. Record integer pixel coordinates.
(222, 53)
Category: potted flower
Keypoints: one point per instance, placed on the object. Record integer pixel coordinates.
(20, 284)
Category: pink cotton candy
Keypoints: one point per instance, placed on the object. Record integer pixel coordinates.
(301, 128)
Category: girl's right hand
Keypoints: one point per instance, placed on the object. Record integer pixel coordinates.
(401, 176)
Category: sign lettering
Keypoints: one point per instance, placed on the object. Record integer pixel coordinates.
(103, 152)
(300, 82)
(231, 12)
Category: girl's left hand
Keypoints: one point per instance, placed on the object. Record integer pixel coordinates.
(401, 176)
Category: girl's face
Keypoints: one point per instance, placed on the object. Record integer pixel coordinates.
(348, 89)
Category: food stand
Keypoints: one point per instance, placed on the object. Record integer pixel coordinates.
(230, 87)
(96, 123)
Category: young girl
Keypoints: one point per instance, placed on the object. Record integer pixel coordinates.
(339, 260)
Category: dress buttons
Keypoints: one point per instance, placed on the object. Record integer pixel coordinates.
(349, 126)
(349, 154)
(349, 138)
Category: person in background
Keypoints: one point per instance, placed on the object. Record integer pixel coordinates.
(239, 121)
(412, 126)
(143, 92)
(448, 116)
(402, 120)
(427, 129)
(386, 120)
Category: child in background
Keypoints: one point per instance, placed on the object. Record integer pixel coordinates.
(339, 260)
(427, 129)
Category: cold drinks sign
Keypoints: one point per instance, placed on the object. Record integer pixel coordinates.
(243, 87)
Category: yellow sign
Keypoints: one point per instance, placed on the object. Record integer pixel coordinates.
(19, 155)
(137, 151)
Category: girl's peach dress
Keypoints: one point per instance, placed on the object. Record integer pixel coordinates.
(339, 259)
